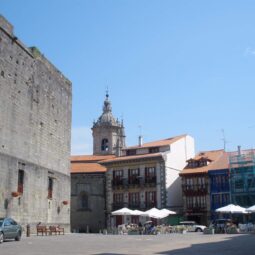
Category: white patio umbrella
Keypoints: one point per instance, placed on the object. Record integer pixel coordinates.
(167, 211)
(123, 211)
(155, 213)
(251, 209)
(137, 213)
(231, 209)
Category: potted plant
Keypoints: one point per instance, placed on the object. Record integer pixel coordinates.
(15, 194)
(65, 202)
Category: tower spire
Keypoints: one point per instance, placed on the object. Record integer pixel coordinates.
(107, 92)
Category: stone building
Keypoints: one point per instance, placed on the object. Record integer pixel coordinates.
(35, 125)
(146, 176)
(88, 193)
(88, 176)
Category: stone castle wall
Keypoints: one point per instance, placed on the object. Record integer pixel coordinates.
(35, 130)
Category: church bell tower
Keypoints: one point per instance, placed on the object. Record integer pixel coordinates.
(108, 133)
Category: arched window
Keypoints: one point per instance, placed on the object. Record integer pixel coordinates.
(83, 200)
(104, 145)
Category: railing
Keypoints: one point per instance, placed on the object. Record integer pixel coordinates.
(135, 206)
(116, 206)
(196, 208)
(150, 180)
(149, 205)
(197, 189)
(119, 183)
(220, 187)
(134, 181)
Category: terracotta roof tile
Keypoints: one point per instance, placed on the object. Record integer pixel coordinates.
(87, 168)
(89, 158)
(133, 157)
(163, 142)
(218, 158)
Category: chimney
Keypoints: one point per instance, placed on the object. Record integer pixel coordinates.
(239, 150)
(140, 140)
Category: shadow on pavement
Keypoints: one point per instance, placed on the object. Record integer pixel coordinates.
(234, 245)
(109, 254)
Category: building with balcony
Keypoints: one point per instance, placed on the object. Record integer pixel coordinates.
(146, 176)
(219, 188)
(204, 185)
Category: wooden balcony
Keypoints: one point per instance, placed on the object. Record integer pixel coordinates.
(119, 184)
(195, 190)
(150, 181)
(197, 209)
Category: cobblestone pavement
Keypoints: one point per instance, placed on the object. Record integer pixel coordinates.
(96, 244)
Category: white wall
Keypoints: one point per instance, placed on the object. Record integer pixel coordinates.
(175, 161)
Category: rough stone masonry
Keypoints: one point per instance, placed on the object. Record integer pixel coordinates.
(35, 134)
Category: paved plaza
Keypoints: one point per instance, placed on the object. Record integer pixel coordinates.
(96, 244)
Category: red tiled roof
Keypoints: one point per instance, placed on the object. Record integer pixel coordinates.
(163, 142)
(87, 168)
(89, 158)
(133, 157)
(218, 158)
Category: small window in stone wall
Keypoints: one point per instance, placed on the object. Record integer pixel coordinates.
(50, 188)
(21, 181)
(2, 73)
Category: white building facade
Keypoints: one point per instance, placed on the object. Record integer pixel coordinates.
(147, 176)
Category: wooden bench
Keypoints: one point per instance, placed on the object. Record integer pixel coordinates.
(41, 230)
(56, 230)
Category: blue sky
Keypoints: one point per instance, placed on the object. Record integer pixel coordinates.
(172, 66)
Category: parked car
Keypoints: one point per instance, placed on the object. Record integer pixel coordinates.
(9, 229)
(192, 226)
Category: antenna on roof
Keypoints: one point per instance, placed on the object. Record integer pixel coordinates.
(224, 139)
(140, 137)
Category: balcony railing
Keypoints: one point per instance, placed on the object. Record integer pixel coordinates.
(196, 208)
(220, 187)
(134, 206)
(119, 205)
(149, 205)
(132, 182)
(197, 189)
(150, 181)
(119, 183)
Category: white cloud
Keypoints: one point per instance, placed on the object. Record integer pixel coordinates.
(82, 142)
(249, 52)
